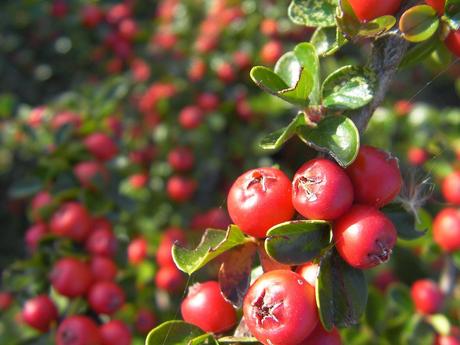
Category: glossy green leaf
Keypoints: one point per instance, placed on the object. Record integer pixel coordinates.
(307, 55)
(25, 188)
(452, 14)
(213, 243)
(297, 242)
(350, 87)
(173, 333)
(417, 332)
(313, 13)
(419, 23)
(327, 41)
(347, 21)
(335, 135)
(267, 80)
(341, 292)
(406, 224)
(419, 52)
(377, 26)
(275, 140)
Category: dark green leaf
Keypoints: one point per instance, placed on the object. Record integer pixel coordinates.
(406, 223)
(453, 13)
(341, 292)
(327, 41)
(268, 80)
(417, 332)
(419, 52)
(377, 26)
(64, 133)
(297, 242)
(173, 333)
(419, 23)
(335, 135)
(213, 243)
(350, 87)
(275, 140)
(313, 13)
(25, 188)
(399, 305)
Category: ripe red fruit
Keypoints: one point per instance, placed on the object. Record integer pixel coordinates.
(417, 156)
(451, 188)
(180, 189)
(103, 268)
(101, 240)
(59, 8)
(260, 199)
(70, 277)
(367, 10)
(118, 12)
(115, 332)
(34, 235)
(181, 159)
(320, 336)
(106, 297)
(78, 330)
(170, 279)
(208, 101)
(128, 29)
(169, 237)
(215, 218)
(438, 5)
(242, 59)
(271, 52)
(196, 70)
(375, 177)
(190, 117)
(309, 272)
(137, 250)
(91, 16)
(65, 118)
(453, 42)
(91, 174)
(321, 190)
(225, 72)
(101, 146)
(6, 299)
(446, 229)
(447, 340)
(403, 107)
(205, 307)
(280, 308)
(384, 279)
(364, 237)
(145, 321)
(71, 220)
(269, 27)
(39, 312)
(40, 200)
(427, 296)
(138, 181)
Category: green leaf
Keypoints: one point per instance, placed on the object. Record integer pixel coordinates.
(335, 135)
(313, 13)
(452, 14)
(235, 273)
(399, 306)
(25, 188)
(174, 333)
(419, 23)
(440, 323)
(327, 41)
(417, 332)
(375, 310)
(350, 87)
(419, 52)
(213, 243)
(297, 242)
(406, 224)
(275, 140)
(308, 57)
(377, 26)
(347, 21)
(341, 292)
(238, 340)
(268, 80)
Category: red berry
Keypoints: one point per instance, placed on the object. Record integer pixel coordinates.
(115, 332)
(91, 16)
(403, 107)
(321, 190)
(417, 156)
(128, 29)
(453, 42)
(197, 70)
(260, 199)
(447, 340)
(367, 10)
(375, 176)
(438, 5)
(451, 188)
(384, 279)
(271, 52)
(169, 237)
(101, 146)
(320, 336)
(190, 117)
(364, 237)
(206, 308)
(427, 296)
(65, 118)
(39, 312)
(215, 218)
(59, 8)
(138, 181)
(269, 27)
(170, 279)
(225, 72)
(118, 12)
(34, 234)
(78, 330)
(181, 159)
(6, 299)
(145, 321)
(103, 268)
(106, 297)
(242, 60)
(71, 277)
(446, 229)
(208, 101)
(180, 189)
(137, 250)
(280, 308)
(91, 174)
(309, 272)
(101, 240)
(71, 220)
(40, 200)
